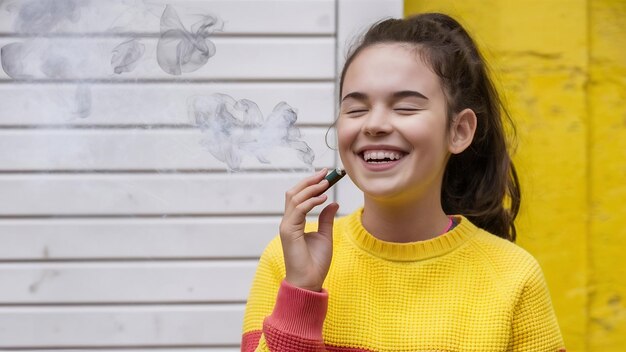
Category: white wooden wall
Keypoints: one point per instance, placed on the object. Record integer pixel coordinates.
(118, 231)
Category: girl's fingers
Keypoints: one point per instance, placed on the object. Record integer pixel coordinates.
(308, 181)
(307, 188)
(293, 221)
(305, 207)
(301, 199)
(327, 219)
(310, 192)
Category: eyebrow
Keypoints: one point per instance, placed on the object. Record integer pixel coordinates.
(396, 95)
(355, 95)
(409, 94)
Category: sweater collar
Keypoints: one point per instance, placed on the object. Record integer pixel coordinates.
(411, 251)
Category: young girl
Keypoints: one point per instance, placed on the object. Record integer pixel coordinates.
(428, 263)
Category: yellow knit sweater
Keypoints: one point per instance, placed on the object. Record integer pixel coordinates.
(466, 290)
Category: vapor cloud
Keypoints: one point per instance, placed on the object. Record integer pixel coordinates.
(45, 16)
(125, 56)
(180, 50)
(235, 129)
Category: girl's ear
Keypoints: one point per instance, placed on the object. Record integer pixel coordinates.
(462, 131)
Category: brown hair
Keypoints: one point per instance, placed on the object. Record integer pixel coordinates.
(479, 181)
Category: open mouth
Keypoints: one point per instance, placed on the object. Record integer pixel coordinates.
(381, 156)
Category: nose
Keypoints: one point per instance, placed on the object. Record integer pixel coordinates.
(377, 122)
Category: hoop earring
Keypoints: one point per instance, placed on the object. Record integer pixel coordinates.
(328, 131)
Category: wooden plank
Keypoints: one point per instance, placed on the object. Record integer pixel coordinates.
(239, 16)
(161, 238)
(162, 149)
(121, 326)
(351, 24)
(149, 104)
(134, 282)
(75, 58)
(160, 195)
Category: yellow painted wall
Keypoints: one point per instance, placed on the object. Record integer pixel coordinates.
(607, 208)
(561, 65)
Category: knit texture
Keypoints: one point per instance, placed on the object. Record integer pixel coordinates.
(466, 290)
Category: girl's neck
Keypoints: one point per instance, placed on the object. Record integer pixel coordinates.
(396, 222)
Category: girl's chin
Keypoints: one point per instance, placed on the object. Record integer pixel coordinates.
(379, 189)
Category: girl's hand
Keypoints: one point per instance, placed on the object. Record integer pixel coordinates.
(307, 255)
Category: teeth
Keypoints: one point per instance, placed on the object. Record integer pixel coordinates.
(381, 155)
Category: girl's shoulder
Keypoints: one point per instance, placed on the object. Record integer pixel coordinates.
(504, 257)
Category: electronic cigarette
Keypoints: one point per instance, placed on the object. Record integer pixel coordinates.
(334, 176)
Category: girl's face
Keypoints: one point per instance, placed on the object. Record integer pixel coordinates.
(392, 124)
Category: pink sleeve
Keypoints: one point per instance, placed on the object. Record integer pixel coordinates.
(297, 320)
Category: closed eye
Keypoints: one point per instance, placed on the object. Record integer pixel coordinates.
(408, 109)
(356, 111)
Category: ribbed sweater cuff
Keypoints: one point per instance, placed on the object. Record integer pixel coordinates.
(299, 312)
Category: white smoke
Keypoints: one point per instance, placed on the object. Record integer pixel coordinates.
(235, 129)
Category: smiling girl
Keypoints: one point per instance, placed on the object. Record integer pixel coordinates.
(428, 263)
